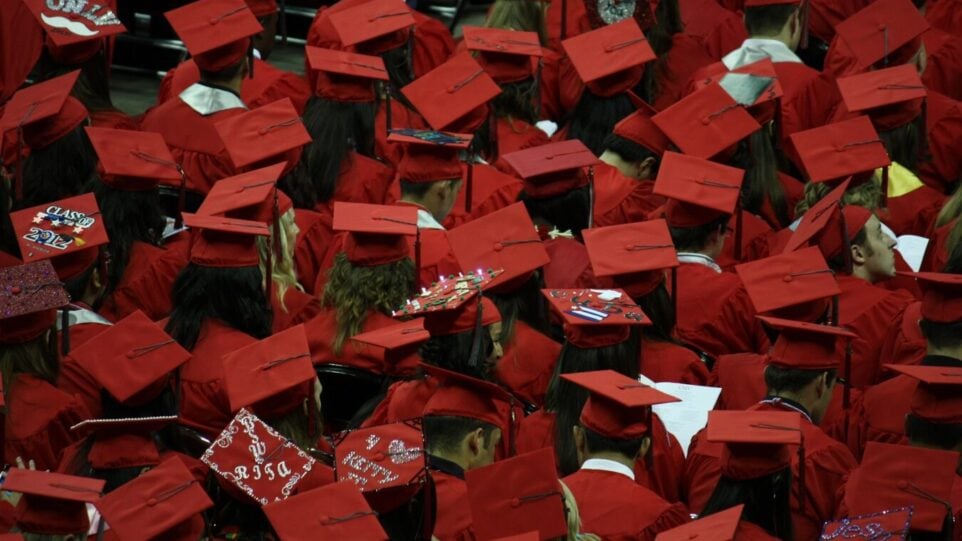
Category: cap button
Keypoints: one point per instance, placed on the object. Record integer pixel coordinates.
(787, 278)
(16, 290)
(151, 502)
(705, 120)
(378, 457)
(498, 247)
(515, 502)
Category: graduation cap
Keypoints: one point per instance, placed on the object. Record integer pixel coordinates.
(68, 232)
(504, 239)
(216, 32)
(273, 376)
(430, 156)
(634, 255)
(553, 169)
(899, 475)
(375, 233)
(639, 128)
(373, 27)
(936, 398)
(756, 442)
(508, 56)
(720, 526)
(345, 76)
(454, 94)
(133, 160)
(699, 191)
(29, 297)
(52, 503)
(257, 461)
(880, 30)
(346, 515)
(893, 524)
(595, 318)
(397, 344)
(517, 495)
(817, 218)
(381, 457)
(248, 196)
(74, 35)
(805, 346)
(890, 97)
(941, 296)
(618, 407)
(610, 59)
(132, 359)
(225, 242)
(754, 86)
(706, 122)
(799, 282)
(271, 131)
(455, 305)
(839, 150)
(123, 442)
(165, 499)
(459, 395)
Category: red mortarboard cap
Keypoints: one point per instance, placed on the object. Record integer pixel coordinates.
(346, 515)
(381, 457)
(215, 32)
(407, 333)
(131, 357)
(789, 279)
(699, 191)
(941, 296)
(165, 498)
(635, 254)
(459, 395)
(504, 239)
(517, 495)
(839, 150)
(719, 526)
(890, 97)
(368, 21)
(610, 59)
(68, 232)
(267, 132)
(247, 196)
(899, 475)
(375, 232)
(805, 346)
(617, 407)
(641, 130)
(553, 169)
(132, 160)
(706, 122)
(452, 91)
(38, 102)
(937, 397)
(52, 503)
(595, 318)
(762, 3)
(430, 156)
(831, 242)
(345, 76)
(262, 8)
(755, 441)
(818, 217)
(29, 295)
(506, 55)
(754, 86)
(450, 307)
(891, 524)
(880, 29)
(74, 35)
(123, 443)
(258, 460)
(225, 242)
(272, 377)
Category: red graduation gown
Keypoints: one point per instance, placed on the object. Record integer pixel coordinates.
(569, 266)
(615, 508)
(666, 361)
(943, 63)
(299, 307)
(619, 199)
(38, 421)
(528, 363)
(943, 120)
(148, 279)
(826, 464)
(113, 119)
(491, 190)
(715, 313)
(322, 329)
(203, 400)
(19, 32)
(313, 239)
(453, 518)
(755, 241)
(687, 56)
(945, 14)
(913, 213)
(361, 180)
(720, 30)
(403, 400)
(905, 343)
(268, 85)
(514, 135)
(576, 22)
(937, 252)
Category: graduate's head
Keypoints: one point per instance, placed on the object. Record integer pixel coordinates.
(470, 443)
(635, 145)
(941, 311)
(935, 410)
(873, 252)
(775, 20)
(430, 173)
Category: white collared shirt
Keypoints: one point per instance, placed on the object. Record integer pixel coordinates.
(754, 49)
(207, 100)
(426, 220)
(603, 464)
(698, 259)
(77, 316)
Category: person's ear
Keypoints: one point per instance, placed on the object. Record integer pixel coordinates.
(645, 168)
(581, 444)
(858, 254)
(645, 447)
(476, 442)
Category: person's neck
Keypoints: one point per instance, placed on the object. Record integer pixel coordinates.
(614, 457)
(450, 457)
(862, 273)
(616, 161)
(782, 37)
(234, 85)
(798, 399)
(951, 352)
(419, 203)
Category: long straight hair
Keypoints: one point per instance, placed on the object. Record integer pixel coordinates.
(337, 129)
(767, 501)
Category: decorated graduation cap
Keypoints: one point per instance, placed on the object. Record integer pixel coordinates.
(73, 35)
(699, 191)
(68, 232)
(610, 60)
(397, 345)
(429, 156)
(706, 122)
(890, 97)
(805, 346)
(273, 376)
(836, 151)
(385, 462)
(504, 239)
(375, 233)
(937, 397)
(755, 442)
(720, 526)
(29, 297)
(225, 242)
(52, 503)
(618, 407)
(133, 160)
(517, 495)
(453, 95)
(886, 31)
(634, 255)
(373, 27)
(346, 515)
(345, 76)
(216, 32)
(640, 129)
(893, 524)
(157, 503)
(941, 296)
(273, 131)
(796, 285)
(553, 169)
(126, 442)
(754, 86)
(256, 461)
(595, 318)
(899, 475)
(507, 56)
(132, 359)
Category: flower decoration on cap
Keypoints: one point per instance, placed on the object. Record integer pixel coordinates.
(381, 457)
(447, 294)
(891, 525)
(596, 317)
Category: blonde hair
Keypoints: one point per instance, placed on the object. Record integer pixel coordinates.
(574, 517)
(524, 15)
(951, 210)
(283, 273)
(867, 194)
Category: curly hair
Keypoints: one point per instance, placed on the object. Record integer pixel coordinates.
(355, 291)
(868, 194)
(283, 273)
